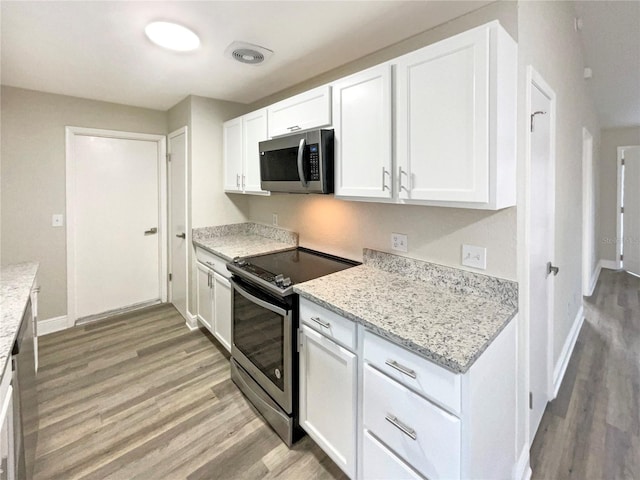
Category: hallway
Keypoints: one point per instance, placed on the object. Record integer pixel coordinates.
(592, 429)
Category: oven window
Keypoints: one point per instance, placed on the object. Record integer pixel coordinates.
(259, 334)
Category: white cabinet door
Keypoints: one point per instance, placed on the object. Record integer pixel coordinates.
(7, 447)
(328, 384)
(442, 107)
(205, 296)
(222, 310)
(311, 109)
(254, 130)
(362, 129)
(232, 154)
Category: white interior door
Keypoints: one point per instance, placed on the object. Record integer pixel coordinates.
(589, 259)
(542, 203)
(115, 217)
(179, 235)
(631, 215)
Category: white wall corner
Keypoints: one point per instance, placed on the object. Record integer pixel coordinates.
(522, 468)
(594, 279)
(51, 325)
(609, 264)
(192, 322)
(567, 350)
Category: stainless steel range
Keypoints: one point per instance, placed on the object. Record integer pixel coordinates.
(264, 363)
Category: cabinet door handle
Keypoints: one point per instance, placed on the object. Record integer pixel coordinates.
(408, 431)
(293, 128)
(400, 186)
(322, 323)
(402, 369)
(384, 185)
(238, 180)
(243, 182)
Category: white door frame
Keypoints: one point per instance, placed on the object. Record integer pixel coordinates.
(183, 130)
(70, 134)
(619, 243)
(588, 225)
(534, 78)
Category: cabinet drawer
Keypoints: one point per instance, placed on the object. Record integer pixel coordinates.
(380, 463)
(414, 371)
(328, 323)
(425, 436)
(213, 261)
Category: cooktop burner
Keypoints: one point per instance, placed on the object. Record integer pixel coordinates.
(281, 270)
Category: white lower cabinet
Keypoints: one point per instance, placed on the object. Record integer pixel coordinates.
(7, 447)
(382, 462)
(328, 394)
(214, 297)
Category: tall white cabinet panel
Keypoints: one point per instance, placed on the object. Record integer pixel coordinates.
(232, 154)
(254, 130)
(328, 395)
(456, 121)
(222, 310)
(311, 109)
(362, 129)
(205, 296)
(442, 120)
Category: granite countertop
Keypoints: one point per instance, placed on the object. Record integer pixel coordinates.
(448, 316)
(244, 239)
(16, 282)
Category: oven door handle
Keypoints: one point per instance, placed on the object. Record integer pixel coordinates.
(301, 148)
(256, 300)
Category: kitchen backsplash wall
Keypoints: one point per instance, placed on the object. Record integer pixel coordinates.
(434, 234)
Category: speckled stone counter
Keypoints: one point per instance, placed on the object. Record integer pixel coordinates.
(447, 315)
(16, 282)
(243, 239)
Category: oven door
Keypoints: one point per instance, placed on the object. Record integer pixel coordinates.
(262, 343)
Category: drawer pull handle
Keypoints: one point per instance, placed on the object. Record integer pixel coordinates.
(401, 369)
(210, 264)
(408, 431)
(322, 323)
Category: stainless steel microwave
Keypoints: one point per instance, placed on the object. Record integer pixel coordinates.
(299, 163)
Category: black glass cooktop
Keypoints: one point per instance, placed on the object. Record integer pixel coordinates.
(284, 269)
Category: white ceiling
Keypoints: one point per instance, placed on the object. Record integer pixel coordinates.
(98, 50)
(611, 41)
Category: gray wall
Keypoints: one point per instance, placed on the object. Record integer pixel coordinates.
(32, 150)
(608, 191)
(434, 234)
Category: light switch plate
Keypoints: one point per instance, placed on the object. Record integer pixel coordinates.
(399, 242)
(57, 220)
(474, 256)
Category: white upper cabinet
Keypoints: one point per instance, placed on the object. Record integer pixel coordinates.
(240, 152)
(254, 130)
(362, 129)
(456, 121)
(311, 109)
(232, 154)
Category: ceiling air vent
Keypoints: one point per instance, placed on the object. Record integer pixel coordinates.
(248, 53)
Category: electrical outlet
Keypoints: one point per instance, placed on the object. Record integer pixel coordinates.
(399, 242)
(473, 256)
(274, 219)
(57, 220)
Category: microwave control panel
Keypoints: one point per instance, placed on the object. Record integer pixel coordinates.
(314, 161)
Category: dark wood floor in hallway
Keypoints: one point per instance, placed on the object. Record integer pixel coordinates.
(592, 429)
(141, 397)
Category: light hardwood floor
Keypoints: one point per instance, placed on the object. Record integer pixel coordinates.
(141, 397)
(592, 430)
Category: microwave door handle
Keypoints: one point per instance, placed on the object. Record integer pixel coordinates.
(301, 146)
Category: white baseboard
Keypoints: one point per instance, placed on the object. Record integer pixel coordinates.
(51, 325)
(594, 279)
(609, 264)
(522, 468)
(567, 350)
(192, 322)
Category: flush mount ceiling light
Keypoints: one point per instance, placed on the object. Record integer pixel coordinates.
(172, 36)
(248, 53)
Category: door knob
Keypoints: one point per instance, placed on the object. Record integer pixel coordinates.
(181, 235)
(151, 231)
(551, 269)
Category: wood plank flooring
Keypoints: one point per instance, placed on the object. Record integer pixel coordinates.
(592, 430)
(139, 396)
